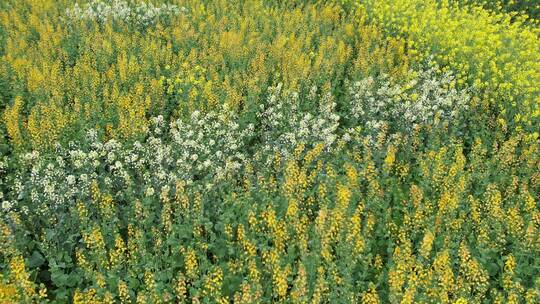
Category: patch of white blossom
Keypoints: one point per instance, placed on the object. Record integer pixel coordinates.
(426, 100)
(287, 121)
(210, 142)
(203, 150)
(142, 13)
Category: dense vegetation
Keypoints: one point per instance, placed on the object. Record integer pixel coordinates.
(526, 8)
(305, 151)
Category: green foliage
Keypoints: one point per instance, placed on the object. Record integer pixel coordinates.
(528, 7)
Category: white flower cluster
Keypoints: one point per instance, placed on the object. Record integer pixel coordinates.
(142, 13)
(426, 100)
(212, 141)
(6, 206)
(285, 124)
(202, 151)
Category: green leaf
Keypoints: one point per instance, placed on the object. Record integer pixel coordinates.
(35, 260)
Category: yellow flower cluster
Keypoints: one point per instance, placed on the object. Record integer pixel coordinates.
(18, 286)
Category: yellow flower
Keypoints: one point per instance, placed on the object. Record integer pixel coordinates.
(190, 261)
(390, 157)
(427, 243)
(180, 288)
(212, 283)
(123, 292)
(116, 257)
(279, 279)
(370, 297)
(12, 120)
(461, 301)
(94, 239)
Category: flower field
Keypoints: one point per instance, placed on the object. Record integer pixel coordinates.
(265, 151)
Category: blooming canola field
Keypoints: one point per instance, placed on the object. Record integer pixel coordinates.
(264, 151)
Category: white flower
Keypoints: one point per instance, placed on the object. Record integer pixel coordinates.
(142, 13)
(91, 135)
(6, 205)
(117, 165)
(70, 179)
(149, 191)
(92, 155)
(111, 157)
(83, 178)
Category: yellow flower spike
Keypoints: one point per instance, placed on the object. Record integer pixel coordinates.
(355, 231)
(229, 231)
(100, 280)
(123, 292)
(510, 264)
(21, 277)
(292, 209)
(472, 274)
(280, 285)
(82, 211)
(45, 124)
(240, 234)
(370, 296)
(180, 288)
(12, 120)
(106, 205)
(427, 243)
(116, 257)
(166, 217)
(343, 197)
(313, 153)
(42, 292)
(253, 272)
(378, 262)
(299, 289)
(212, 283)
(108, 298)
(81, 260)
(249, 248)
(370, 223)
(352, 175)
(390, 157)
(190, 263)
(253, 221)
(461, 301)
(94, 239)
